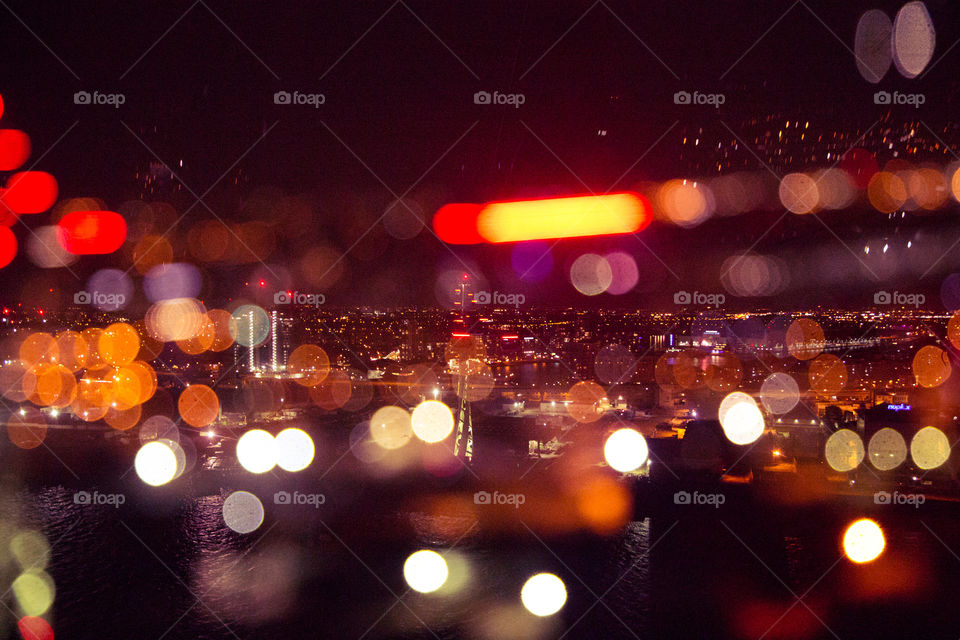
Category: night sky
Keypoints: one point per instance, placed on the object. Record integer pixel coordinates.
(199, 80)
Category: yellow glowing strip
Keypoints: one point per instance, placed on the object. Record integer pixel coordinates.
(561, 218)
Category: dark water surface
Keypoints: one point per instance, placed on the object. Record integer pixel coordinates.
(168, 567)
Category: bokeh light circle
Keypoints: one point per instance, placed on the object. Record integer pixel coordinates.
(243, 512)
(863, 541)
(391, 427)
(257, 451)
(425, 571)
(156, 463)
(625, 450)
(432, 421)
(779, 393)
(930, 448)
(887, 449)
(543, 594)
(295, 449)
(844, 450)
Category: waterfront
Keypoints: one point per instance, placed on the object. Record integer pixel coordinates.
(135, 570)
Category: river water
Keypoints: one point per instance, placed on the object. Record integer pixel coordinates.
(164, 565)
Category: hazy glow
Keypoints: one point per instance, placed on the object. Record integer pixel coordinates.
(175, 319)
(432, 421)
(91, 232)
(563, 217)
(844, 450)
(743, 424)
(425, 571)
(872, 45)
(914, 39)
(157, 427)
(34, 592)
(685, 202)
(591, 274)
(156, 463)
(625, 450)
(624, 272)
(544, 594)
(798, 193)
(30, 549)
(887, 449)
(295, 449)
(257, 451)
(780, 393)
(243, 512)
(740, 418)
(198, 405)
(863, 541)
(930, 448)
(931, 366)
(391, 427)
(250, 325)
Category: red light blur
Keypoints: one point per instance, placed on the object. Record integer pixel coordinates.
(34, 628)
(543, 219)
(92, 232)
(14, 149)
(30, 192)
(457, 223)
(8, 249)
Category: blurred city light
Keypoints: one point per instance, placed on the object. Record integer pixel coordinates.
(425, 571)
(156, 463)
(625, 450)
(257, 451)
(543, 594)
(863, 541)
